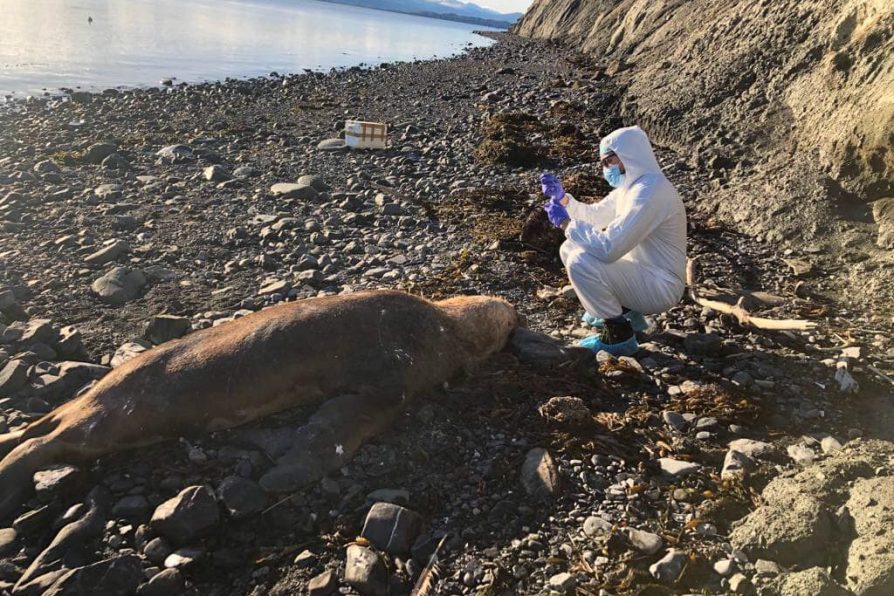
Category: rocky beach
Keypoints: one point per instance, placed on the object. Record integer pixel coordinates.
(721, 459)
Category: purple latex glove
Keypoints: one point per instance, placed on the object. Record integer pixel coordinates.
(556, 213)
(551, 186)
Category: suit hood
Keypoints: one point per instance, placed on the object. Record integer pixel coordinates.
(633, 148)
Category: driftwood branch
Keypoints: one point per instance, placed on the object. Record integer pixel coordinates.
(428, 579)
(737, 310)
(880, 374)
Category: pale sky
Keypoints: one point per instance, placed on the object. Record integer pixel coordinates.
(505, 5)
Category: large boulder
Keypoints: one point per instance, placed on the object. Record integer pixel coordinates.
(703, 344)
(58, 483)
(97, 152)
(167, 583)
(108, 253)
(539, 475)
(129, 350)
(810, 582)
(803, 521)
(119, 286)
(313, 180)
(795, 529)
(39, 331)
(216, 173)
(13, 376)
(391, 528)
(540, 350)
(288, 190)
(162, 328)
(241, 496)
(365, 571)
(870, 560)
(190, 515)
(175, 154)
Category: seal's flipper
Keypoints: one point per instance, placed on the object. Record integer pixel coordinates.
(18, 467)
(330, 438)
(39, 428)
(312, 456)
(9, 441)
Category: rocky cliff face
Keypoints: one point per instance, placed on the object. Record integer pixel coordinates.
(796, 95)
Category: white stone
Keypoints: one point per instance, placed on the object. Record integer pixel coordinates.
(736, 464)
(676, 468)
(670, 566)
(801, 454)
(562, 582)
(646, 542)
(830, 445)
(739, 584)
(596, 526)
(751, 448)
(724, 567)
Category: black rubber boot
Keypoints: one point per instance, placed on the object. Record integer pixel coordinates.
(617, 330)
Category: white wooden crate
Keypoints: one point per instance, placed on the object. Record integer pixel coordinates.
(366, 135)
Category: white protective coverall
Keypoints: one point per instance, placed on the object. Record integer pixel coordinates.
(630, 248)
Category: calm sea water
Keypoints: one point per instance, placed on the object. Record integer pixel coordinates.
(47, 44)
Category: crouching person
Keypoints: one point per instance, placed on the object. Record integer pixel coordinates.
(626, 255)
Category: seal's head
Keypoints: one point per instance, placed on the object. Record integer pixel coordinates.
(484, 323)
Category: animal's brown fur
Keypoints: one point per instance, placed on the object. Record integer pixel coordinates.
(366, 353)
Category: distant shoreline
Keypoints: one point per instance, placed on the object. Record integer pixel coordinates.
(455, 18)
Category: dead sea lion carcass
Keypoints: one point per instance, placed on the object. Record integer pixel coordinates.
(361, 355)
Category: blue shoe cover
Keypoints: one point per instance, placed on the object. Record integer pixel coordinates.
(592, 321)
(625, 348)
(637, 321)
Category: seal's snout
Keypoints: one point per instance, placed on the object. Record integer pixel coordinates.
(505, 314)
(484, 322)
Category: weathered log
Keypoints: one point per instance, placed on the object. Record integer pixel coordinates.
(738, 311)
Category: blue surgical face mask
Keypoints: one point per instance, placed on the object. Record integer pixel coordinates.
(613, 175)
